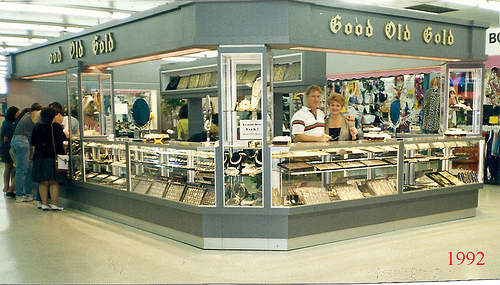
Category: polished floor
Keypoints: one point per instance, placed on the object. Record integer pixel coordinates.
(75, 247)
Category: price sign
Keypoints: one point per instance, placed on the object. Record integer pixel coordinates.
(251, 129)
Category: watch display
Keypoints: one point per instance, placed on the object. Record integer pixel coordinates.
(157, 189)
(175, 191)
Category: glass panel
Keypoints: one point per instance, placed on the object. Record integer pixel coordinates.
(436, 163)
(334, 172)
(178, 174)
(242, 91)
(72, 81)
(97, 104)
(105, 164)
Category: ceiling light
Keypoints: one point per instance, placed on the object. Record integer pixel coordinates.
(30, 27)
(117, 15)
(373, 53)
(205, 54)
(3, 63)
(44, 9)
(21, 41)
(490, 5)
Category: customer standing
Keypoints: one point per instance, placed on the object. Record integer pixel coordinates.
(6, 134)
(48, 138)
(21, 147)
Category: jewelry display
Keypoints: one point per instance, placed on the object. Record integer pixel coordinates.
(326, 166)
(237, 158)
(214, 79)
(251, 76)
(193, 195)
(142, 187)
(382, 187)
(233, 202)
(297, 166)
(452, 178)
(91, 175)
(293, 72)
(175, 191)
(312, 195)
(232, 171)
(194, 81)
(183, 82)
(258, 158)
(157, 189)
(100, 177)
(439, 179)
(240, 191)
(256, 94)
(240, 74)
(279, 71)
(347, 192)
(110, 179)
(374, 162)
(350, 164)
(205, 79)
(209, 198)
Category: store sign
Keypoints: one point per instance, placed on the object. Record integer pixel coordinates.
(56, 57)
(103, 46)
(392, 31)
(493, 41)
(250, 129)
(76, 50)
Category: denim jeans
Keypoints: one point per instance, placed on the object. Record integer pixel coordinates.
(21, 148)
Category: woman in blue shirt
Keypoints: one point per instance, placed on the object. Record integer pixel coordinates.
(6, 134)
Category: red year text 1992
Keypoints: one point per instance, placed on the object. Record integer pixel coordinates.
(469, 258)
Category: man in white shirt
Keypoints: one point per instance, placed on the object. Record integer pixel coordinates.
(308, 124)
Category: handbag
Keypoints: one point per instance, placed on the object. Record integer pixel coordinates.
(62, 160)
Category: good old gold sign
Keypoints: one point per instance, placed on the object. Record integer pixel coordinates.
(400, 31)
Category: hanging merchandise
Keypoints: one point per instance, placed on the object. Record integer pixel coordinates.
(493, 87)
(351, 91)
(419, 91)
(431, 108)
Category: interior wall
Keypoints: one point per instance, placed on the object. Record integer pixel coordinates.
(346, 63)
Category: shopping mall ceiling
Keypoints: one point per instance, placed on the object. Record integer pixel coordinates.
(23, 23)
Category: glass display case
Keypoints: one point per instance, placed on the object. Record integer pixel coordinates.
(463, 105)
(181, 172)
(247, 116)
(309, 174)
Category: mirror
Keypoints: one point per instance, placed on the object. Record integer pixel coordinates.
(140, 112)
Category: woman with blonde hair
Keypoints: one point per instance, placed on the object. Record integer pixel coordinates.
(338, 127)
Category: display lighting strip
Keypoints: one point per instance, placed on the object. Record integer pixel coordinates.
(61, 72)
(327, 50)
(149, 58)
(45, 9)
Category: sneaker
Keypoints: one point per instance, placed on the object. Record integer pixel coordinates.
(45, 208)
(39, 206)
(20, 199)
(29, 198)
(57, 208)
(10, 194)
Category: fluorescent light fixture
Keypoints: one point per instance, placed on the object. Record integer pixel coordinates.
(45, 9)
(73, 29)
(10, 49)
(3, 63)
(490, 5)
(30, 27)
(116, 15)
(373, 53)
(2, 57)
(148, 58)
(3, 68)
(20, 41)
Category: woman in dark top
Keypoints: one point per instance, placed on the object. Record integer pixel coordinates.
(338, 127)
(6, 136)
(45, 136)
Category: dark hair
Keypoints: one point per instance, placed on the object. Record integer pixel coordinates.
(47, 115)
(183, 111)
(11, 114)
(56, 105)
(23, 112)
(36, 106)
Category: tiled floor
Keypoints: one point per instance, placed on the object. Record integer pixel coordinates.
(74, 247)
